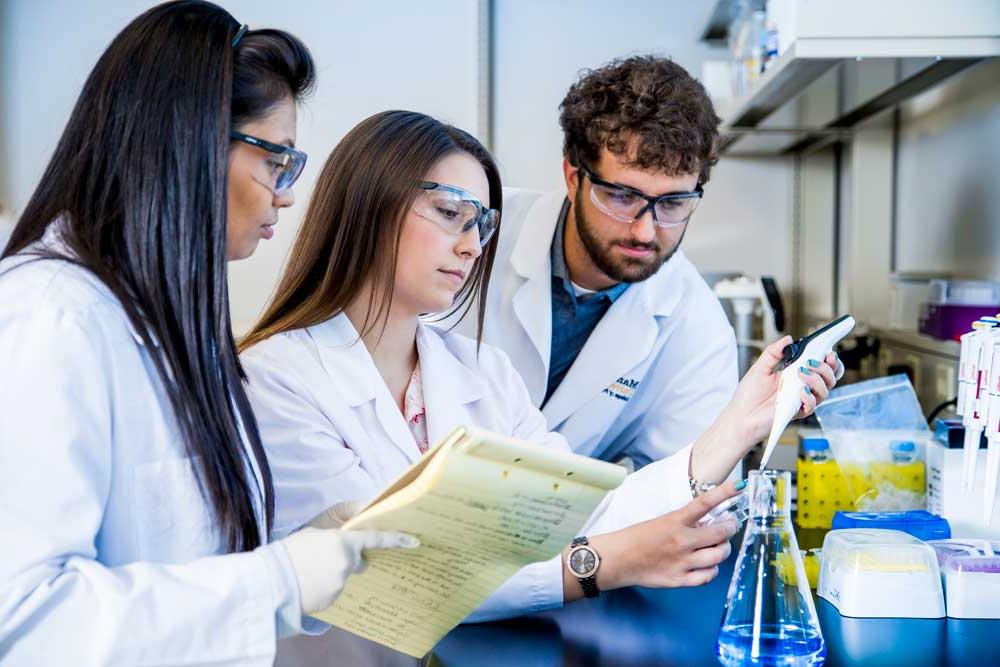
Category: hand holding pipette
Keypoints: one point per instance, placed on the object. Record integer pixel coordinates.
(791, 383)
(748, 418)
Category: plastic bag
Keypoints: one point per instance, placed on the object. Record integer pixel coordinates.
(878, 435)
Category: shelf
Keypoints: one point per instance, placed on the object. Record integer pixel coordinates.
(717, 30)
(919, 64)
(919, 342)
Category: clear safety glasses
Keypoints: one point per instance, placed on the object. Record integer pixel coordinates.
(283, 166)
(455, 210)
(628, 205)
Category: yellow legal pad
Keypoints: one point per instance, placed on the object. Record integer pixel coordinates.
(483, 506)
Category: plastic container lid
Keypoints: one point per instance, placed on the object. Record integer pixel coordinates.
(919, 523)
(874, 573)
(968, 555)
(947, 549)
(951, 433)
(966, 292)
(877, 550)
(988, 564)
(969, 570)
(815, 444)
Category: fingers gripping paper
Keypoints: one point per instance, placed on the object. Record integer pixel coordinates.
(483, 507)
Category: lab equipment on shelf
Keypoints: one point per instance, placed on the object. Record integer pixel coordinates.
(955, 304)
(750, 298)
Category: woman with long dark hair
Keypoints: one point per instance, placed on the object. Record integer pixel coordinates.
(351, 384)
(135, 496)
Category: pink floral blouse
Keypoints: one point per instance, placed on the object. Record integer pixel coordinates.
(414, 411)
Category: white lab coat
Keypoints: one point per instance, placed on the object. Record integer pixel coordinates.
(107, 550)
(333, 432)
(654, 373)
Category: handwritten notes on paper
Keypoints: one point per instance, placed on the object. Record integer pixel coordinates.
(479, 519)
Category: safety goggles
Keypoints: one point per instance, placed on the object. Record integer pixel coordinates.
(283, 167)
(455, 210)
(628, 205)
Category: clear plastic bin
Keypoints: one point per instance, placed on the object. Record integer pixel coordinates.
(970, 571)
(872, 573)
(878, 434)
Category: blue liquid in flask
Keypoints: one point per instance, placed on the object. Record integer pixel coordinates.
(770, 618)
(790, 645)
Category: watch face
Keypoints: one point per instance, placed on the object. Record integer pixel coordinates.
(582, 561)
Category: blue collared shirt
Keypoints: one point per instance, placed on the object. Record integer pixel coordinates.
(574, 316)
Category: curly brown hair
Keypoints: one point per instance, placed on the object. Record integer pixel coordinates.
(644, 108)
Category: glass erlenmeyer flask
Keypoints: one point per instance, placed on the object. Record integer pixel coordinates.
(770, 618)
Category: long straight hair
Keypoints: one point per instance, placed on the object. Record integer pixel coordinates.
(138, 181)
(351, 230)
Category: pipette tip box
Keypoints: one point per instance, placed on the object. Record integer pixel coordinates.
(918, 523)
(876, 573)
(970, 572)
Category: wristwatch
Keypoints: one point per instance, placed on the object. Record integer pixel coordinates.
(583, 562)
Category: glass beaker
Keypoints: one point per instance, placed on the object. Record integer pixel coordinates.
(769, 617)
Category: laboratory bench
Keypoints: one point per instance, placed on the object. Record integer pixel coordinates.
(642, 628)
(646, 628)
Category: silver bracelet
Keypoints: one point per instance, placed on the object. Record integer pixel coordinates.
(698, 488)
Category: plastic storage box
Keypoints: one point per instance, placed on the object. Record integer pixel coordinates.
(872, 573)
(970, 571)
(919, 523)
(821, 487)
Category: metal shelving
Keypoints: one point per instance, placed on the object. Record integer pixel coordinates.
(921, 62)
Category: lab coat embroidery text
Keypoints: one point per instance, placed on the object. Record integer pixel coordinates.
(623, 388)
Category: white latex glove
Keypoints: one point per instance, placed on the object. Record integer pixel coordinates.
(323, 559)
(338, 515)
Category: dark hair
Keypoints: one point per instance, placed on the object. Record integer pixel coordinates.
(351, 230)
(646, 109)
(138, 180)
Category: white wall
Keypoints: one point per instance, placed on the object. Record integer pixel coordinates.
(371, 56)
(744, 222)
(948, 189)
(424, 56)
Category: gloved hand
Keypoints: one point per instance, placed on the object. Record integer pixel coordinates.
(338, 515)
(323, 559)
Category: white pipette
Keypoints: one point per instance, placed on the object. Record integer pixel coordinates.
(789, 399)
(992, 431)
(968, 363)
(975, 384)
(965, 374)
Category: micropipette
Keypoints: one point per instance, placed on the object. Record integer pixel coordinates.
(964, 372)
(992, 431)
(789, 399)
(968, 363)
(972, 376)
